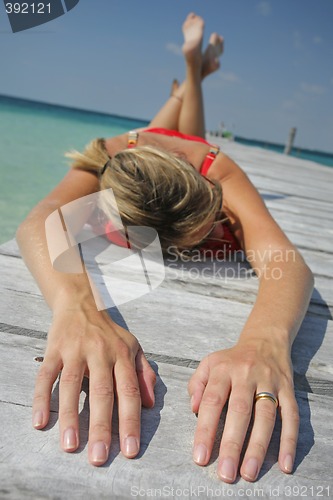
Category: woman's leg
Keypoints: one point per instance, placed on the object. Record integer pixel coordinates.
(191, 118)
(168, 115)
(174, 86)
(173, 115)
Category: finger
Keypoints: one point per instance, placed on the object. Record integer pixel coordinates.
(213, 400)
(197, 384)
(264, 420)
(146, 378)
(129, 407)
(237, 422)
(46, 377)
(101, 400)
(69, 394)
(289, 432)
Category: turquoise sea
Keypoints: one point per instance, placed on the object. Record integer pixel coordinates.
(33, 139)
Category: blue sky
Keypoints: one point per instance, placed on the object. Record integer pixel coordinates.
(120, 56)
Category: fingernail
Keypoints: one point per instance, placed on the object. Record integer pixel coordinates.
(70, 439)
(228, 469)
(288, 463)
(37, 420)
(131, 446)
(99, 452)
(192, 401)
(200, 454)
(251, 468)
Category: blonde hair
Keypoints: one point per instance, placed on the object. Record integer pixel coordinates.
(156, 189)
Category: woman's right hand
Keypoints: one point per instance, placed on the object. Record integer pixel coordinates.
(84, 341)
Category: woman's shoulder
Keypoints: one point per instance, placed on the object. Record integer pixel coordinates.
(115, 144)
(223, 168)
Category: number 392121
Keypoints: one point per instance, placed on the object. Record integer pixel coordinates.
(28, 8)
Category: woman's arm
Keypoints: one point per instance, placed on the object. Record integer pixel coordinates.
(83, 340)
(31, 236)
(260, 361)
(286, 282)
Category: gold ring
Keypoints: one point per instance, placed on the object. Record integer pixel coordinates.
(266, 395)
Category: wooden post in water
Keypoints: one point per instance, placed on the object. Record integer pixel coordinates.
(290, 141)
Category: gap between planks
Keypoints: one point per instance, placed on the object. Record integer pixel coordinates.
(302, 382)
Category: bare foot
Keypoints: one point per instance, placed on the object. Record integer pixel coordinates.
(193, 29)
(174, 86)
(210, 60)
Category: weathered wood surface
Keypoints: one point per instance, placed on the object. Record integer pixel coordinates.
(187, 317)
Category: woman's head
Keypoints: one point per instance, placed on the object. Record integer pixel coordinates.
(157, 189)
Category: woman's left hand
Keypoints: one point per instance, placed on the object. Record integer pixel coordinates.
(253, 365)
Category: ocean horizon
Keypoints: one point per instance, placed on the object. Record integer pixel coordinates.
(34, 136)
(323, 157)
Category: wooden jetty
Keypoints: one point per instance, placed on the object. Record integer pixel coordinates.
(177, 324)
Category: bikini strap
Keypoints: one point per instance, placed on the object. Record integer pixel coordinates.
(210, 157)
(132, 140)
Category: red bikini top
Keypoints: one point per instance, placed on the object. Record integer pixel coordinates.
(210, 157)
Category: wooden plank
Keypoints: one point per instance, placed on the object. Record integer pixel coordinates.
(174, 315)
(14, 271)
(308, 240)
(311, 222)
(268, 169)
(320, 263)
(296, 204)
(199, 313)
(255, 156)
(210, 279)
(36, 468)
(306, 222)
(287, 186)
(283, 170)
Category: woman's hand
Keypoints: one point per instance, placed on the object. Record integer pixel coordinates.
(254, 365)
(83, 341)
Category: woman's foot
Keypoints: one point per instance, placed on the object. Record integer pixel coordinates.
(193, 29)
(210, 59)
(174, 86)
